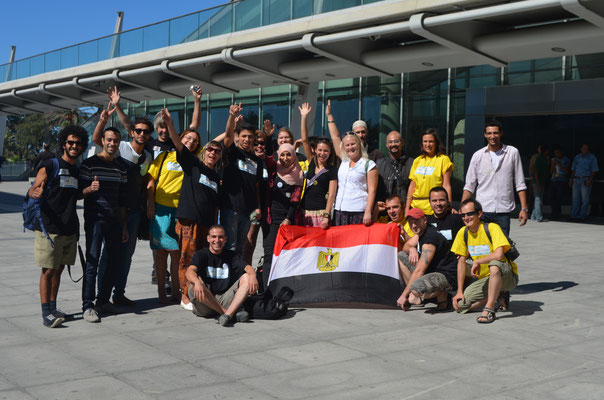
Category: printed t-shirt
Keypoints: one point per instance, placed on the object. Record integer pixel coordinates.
(315, 195)
(136, 166)
(479, 246)
(167, 189)
(156, 147)
(447, 226)
(199, 191)
(427, 173)
(240, 176)
(443, 260)
(218, 271)
(113, 188)
(58, 209)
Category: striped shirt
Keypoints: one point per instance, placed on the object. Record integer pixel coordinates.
(113, 188)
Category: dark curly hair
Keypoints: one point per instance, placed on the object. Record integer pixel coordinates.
(74, 130)
(143, 120)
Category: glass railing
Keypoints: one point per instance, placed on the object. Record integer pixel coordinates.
(227, 18)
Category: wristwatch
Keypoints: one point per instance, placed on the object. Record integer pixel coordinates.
(331, 122)
(326, 215)
(525, 210)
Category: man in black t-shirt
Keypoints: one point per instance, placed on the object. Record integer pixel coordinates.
(435, 273)
(104, 185)
(241, 193)
(445, 222)
(59, 192)
(221, 280)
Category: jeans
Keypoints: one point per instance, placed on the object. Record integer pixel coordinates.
(558, 191)
(501, 219)
(97, 232)
(536, 215)
(126, 250)
(237, 226)
(581, 195)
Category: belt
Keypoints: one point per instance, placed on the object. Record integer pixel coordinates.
(421, 198)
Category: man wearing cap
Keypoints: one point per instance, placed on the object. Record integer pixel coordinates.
(435, 273)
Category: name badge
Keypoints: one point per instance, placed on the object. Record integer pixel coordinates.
(68, 182)
(447, 234)
(264, 174)
(156, 151)
(173, 166)
(218, 273)
(204, 180)
(424, 170)
(248, 166)
(480, 250)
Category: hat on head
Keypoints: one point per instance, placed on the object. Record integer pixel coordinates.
(416, 213)
(359, 123)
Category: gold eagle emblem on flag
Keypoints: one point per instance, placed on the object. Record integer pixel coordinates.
(328, 261)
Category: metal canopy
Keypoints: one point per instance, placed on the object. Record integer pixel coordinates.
(379, 39)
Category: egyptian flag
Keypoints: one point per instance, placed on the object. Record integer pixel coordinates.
(351, 265)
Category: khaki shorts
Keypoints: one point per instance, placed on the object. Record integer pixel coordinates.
(64, 252)
(225, 299)
(480, 289)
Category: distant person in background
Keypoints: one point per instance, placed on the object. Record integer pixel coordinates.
(539, 172)
(560, 172)
(44, 155)
(584, 168)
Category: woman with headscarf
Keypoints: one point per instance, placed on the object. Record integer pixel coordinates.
(285, 180)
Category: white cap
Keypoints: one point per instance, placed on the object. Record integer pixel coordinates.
(359, 123)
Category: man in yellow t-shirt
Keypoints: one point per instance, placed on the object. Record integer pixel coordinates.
(494, 271)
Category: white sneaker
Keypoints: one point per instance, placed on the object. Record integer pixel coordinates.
(91, 315)
(188, 307)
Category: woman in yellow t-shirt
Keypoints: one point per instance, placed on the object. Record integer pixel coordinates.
(431, 169)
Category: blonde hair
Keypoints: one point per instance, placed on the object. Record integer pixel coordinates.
(359, 143)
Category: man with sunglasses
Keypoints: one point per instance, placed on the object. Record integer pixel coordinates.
(59, 190)
(136, 160)
(495, 273)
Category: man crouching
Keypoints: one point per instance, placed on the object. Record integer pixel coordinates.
(221, 280)
(434, 274)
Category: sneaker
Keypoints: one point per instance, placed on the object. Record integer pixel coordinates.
(242, 316)
(188, 307)
(123, 301)
(225, 320)
(91, 315)
(51, 321)
(59, 313)
(107, 308)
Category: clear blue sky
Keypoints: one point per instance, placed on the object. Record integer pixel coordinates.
(38, 26)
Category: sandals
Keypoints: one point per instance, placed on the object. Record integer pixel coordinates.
(487, 319)
(504, 298)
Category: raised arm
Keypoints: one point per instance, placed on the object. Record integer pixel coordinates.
(196, 119)
(98, 129)
(333, 129)
(114, 98)
(229, 131)
(167, 118)
(304, 111)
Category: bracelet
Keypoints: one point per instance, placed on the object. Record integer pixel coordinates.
(331, 122)
(525, 210)
(326, 215)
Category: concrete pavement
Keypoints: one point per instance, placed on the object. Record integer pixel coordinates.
(551, 344)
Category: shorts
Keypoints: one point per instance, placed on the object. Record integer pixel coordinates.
(431, 283)
(313, 218)
(225, 299)
(479, 289)
(64, 252)
(163, 229)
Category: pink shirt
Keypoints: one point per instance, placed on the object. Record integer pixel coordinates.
(494, 188)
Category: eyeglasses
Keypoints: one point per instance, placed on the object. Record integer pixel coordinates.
(468, 214)
(143, 131)
(213, 150)
(74, 143)
(393, 141)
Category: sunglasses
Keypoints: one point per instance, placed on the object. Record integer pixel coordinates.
(468, 214)
(213, 150)
(143, 131)
(74, 143)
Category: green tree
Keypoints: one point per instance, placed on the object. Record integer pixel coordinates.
(25, 136)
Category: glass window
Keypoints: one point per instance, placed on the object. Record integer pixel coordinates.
(247, 15)
(37, 65)
(184, 29)
(249, 101)
(156, 36)
(219, 112)
(221, 22)
(344, 97)
(303, 8)
(52, 61)
(130, 42)
(69, 57)
(275, 105)
(274, 11)
(88, 52)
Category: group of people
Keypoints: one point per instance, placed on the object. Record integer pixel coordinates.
(558, 173)
(205, 206)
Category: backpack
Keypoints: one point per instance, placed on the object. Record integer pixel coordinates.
(511, 254)
(31, 207)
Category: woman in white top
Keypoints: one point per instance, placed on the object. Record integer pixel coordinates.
(357, 184)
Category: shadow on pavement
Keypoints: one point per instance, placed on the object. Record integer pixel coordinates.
(543, 286)
(520, 308)
(11, 203)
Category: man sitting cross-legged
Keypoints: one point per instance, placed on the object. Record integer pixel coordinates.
(221, 280)
(434, 274)
(495, 272)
